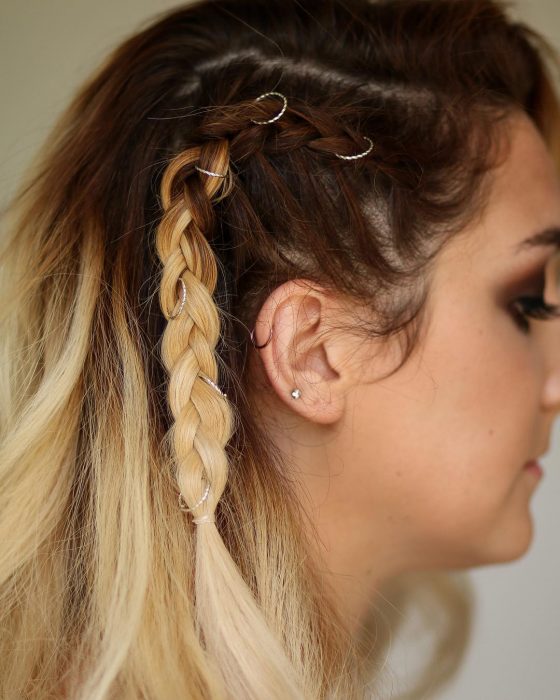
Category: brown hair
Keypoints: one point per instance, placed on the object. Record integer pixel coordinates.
(105, 586)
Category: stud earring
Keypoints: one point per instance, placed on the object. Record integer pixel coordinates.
(296, 393)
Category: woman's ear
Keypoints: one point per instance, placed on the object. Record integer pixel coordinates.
(305, 351)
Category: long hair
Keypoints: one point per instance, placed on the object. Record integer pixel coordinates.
(109, 427)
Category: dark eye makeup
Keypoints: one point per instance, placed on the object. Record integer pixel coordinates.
(535, 307)
(544, 282)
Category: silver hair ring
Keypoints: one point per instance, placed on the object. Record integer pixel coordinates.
(209, 172)
(183, 299)
(359, 155)
(208, 518)
(265, 344)
(183, 505)
(268, 121)
(207, 379)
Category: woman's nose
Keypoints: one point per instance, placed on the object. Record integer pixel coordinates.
(551, 342)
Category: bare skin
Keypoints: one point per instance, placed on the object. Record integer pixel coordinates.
(424, 470)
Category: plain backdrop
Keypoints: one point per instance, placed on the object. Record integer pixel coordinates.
(47, 47)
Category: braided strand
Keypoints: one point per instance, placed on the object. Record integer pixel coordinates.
(203, 421)
(228, 619)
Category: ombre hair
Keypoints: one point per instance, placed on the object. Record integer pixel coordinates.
(107, 588)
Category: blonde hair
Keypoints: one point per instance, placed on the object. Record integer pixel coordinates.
(107, 588)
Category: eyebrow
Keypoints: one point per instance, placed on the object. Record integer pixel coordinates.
(550, 236)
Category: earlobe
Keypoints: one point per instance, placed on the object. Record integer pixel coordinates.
(295, 358)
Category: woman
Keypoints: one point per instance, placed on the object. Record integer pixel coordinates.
(275, 350)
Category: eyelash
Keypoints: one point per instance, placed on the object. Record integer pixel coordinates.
(533, 307)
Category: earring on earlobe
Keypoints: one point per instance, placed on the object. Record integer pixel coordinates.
(296, 393)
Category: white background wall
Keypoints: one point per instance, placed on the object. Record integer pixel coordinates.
(47, 47)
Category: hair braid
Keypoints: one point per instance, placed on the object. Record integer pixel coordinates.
(227, 616)
(203, 420)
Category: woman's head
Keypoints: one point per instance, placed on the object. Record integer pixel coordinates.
(384, 280)
(423, 468)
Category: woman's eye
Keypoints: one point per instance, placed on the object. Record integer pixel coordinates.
(533, 307)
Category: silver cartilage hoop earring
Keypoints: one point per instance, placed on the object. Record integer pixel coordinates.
(359, 155)
(296, 393)
(265, 344)
(268, 121)
(183, 299)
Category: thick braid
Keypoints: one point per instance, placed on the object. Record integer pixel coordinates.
(203, 418)
(228, 619)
